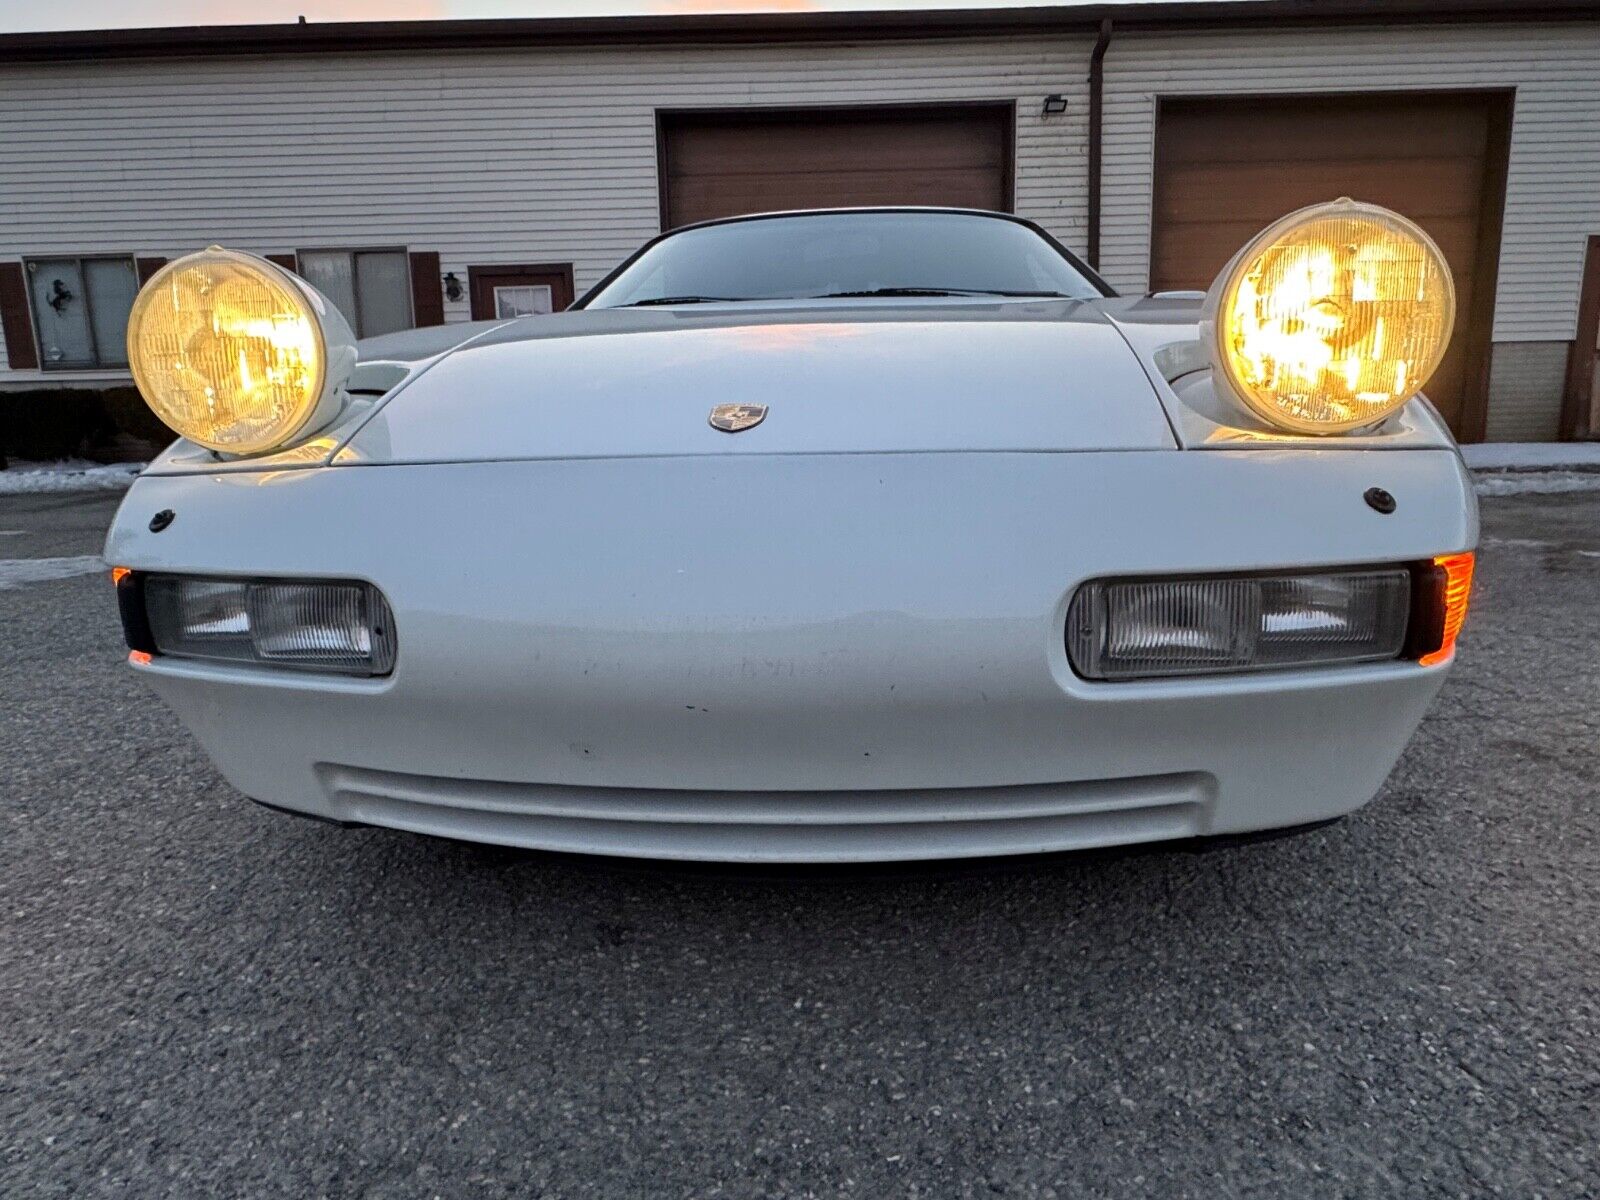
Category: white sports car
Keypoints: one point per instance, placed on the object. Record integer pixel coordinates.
(843, 535)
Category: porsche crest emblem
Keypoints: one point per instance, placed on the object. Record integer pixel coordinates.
(731, 418)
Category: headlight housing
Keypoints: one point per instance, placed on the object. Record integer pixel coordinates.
(237, 354)
(1121, 629)
(332, 626)
(1331, 318)
(1141, 628)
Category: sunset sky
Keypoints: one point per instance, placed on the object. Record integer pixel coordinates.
(18, 15)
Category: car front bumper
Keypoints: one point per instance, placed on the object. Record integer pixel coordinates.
(794, 658)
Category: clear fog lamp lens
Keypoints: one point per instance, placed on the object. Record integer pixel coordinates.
(1136, 629)
(346, 628)
(228, 351)
(1333, 317)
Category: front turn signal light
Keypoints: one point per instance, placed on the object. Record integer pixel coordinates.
(1442, 590)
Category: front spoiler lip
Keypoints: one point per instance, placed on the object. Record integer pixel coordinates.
(876, 868)
(779, 827)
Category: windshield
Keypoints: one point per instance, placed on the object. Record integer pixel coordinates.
(848, 254)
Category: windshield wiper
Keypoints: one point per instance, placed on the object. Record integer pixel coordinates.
(677, 300)
(930, 291)
(883, 291)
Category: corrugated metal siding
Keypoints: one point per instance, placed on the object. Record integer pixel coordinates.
(525, 156)
(1553, 188)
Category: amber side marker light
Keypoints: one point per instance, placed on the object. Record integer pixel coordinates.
(118, 574)
(130, 607)
(1442, 590)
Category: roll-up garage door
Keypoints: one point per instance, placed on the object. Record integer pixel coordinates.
(723, 164)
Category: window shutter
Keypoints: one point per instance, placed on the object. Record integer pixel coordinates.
(16, 320)
(427, 292)
(148, 267)
(287, 261)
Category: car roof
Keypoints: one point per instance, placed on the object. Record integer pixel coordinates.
(849, 210)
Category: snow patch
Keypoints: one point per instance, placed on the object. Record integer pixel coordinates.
(1532, 456)
(14, 572)
(71, 475)
(1536, 483)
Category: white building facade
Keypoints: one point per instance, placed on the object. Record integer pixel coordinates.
(426, 172)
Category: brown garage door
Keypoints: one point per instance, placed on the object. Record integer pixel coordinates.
(723, 164)
(1227, 167)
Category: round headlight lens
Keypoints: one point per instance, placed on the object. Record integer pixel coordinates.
(1332, 318)
(229, 351)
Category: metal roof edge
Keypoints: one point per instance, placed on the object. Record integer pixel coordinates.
(368, 36)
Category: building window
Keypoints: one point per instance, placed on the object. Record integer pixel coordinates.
(372, 288)
(80, 310)
(523, 300)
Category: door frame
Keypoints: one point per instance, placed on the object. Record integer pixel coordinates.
(1002, 110)
(1491, 217)
(558, 275)
(1580, 399)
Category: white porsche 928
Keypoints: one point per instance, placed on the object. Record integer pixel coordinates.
(824, 536)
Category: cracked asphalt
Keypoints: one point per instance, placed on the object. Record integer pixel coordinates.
(200, 998)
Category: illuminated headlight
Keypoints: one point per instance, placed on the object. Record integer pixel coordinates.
(237, 354)
(1137, 628)
(1331, 318)
(340, 627)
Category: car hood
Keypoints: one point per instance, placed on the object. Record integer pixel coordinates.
(851, 377)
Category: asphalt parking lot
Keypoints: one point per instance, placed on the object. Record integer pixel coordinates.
(202, 998)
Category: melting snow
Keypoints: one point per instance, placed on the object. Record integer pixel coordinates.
(1530, 483)
(1532, 456)
(73, 475)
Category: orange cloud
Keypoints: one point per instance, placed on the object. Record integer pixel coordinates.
(112, 14)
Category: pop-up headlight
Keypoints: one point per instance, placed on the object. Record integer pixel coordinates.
(236, 353)
(1331, 318)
